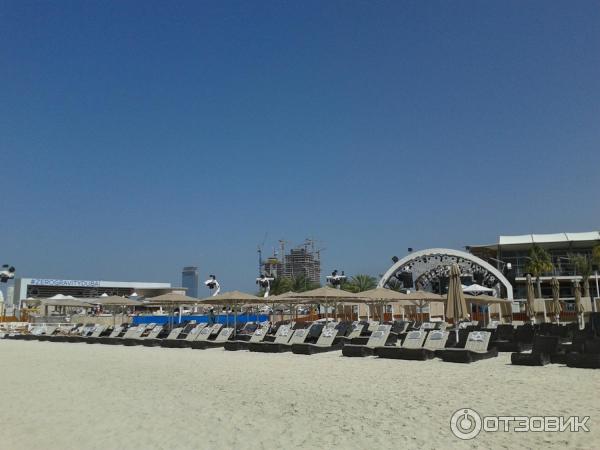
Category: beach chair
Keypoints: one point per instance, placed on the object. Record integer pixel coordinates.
(476, 348)
(326, 342)
(520, 340)
(378, 338)
(589, 358)
(286, 337)
(242, 344)
(541, 352)
(149, 334)
(224, 335)
(124, 333)
(46, 333)
(206, 334)
(417, 346)
(179, 337)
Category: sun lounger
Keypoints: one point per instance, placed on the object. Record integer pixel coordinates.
(418, 346)
(326, 342)
(207, 333)
(589, 358)
(149, 334)
(378, 338)
(242, 344)
(115, 337)
(521, 339)
(46, 333)
(286, 337)
(219, 341)
(182, 336)
(475, 349)
(541, 352)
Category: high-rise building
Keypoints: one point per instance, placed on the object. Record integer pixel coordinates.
(302, 260)
(190, 279)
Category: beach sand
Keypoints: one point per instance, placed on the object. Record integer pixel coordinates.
(79, 396)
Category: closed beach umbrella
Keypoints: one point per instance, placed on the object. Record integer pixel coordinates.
(578, 306)
(530, 306)
(456, 306)
(556, 306)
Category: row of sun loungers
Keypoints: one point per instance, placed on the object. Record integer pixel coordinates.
(529, 344)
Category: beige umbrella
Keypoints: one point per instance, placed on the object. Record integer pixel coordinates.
(385, 296)
(326, 295)
(115, 300)
(66, 302)
(530, 306)
(456, 306)
(555, 306)
(233, 298)
(172, 299)
(578, 306)
(422, 297)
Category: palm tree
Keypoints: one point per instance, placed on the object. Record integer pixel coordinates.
(360, 283)
(540, 262)
(583, 267)
(301, 283)
(596, 255)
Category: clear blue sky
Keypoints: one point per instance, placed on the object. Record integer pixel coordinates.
(138, 137)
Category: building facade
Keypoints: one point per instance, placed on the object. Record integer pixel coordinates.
(45, 287)
(511, 255)
(190, 279)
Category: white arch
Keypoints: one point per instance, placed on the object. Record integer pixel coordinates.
(450, 252)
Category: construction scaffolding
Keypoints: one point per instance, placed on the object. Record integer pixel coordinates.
(301, 260)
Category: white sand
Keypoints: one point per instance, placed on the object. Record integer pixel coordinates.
(66, 396)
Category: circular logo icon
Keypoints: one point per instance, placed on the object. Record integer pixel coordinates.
(465, 423)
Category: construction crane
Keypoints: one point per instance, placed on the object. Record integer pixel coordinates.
(259, 250)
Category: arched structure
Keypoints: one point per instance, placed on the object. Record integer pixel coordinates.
(430, 266)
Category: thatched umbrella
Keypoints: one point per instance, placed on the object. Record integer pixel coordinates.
(232, 298)
(386, 296)
(326, 295)
(578, 306)
(530, 306)
(172, 299)
(556, 307)
(505, 304)
(114, 300)
(422, 297)
(456, 306)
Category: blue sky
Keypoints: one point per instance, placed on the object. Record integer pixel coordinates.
(138, 137)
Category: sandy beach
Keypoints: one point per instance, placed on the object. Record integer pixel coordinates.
(67, 396)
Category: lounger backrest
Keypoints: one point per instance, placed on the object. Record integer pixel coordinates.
(379, 336)
(357, 329)
(478, 341)
(155, 332)
(224, 335)
(373, 325)
(98, 330)
(50, 329)
(115, 333)
(259, 334)
(206, 332)
(327, 337)
(300, 335)
(493, 324)
(436, 340)
(414, 339)
(441, 326)
(283, 335)
(174, 333)
(428, 326)
(195, 332)
(131, 332)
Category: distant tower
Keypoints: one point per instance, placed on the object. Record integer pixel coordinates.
(190, 279)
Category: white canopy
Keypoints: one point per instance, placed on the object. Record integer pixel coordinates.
(476, 289)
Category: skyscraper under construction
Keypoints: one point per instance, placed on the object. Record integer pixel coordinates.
(301, 260)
